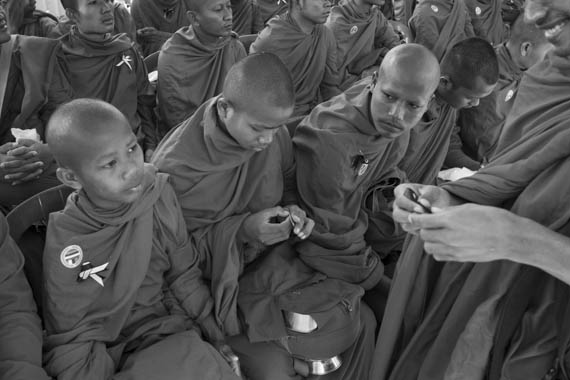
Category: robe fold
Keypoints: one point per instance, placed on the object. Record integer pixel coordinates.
(327, 145)
(440, 24)
(190, 72)
(39, 24)
(480, 127)
(429, 143)
(163, 15)
(362, 39)
(496, 320)
(247, 18)
(152, 293)
(219, 184)
(311, 59)
(20, 326)
(112, 70)
(271, 8)
(487, 20)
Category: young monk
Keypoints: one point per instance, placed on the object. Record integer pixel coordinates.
(123, 291)
(363, 37)
(26, 20)
(247, 18)
(347, 153)
(33, 88)
(440, 24)
(307, 48)
(469, 72)
(108, 67)
(20, 326)
(500, 319)
(479, 127)
(156, 20)
(193, 63)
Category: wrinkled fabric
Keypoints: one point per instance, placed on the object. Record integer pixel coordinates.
(111, 70)
(487, 20)
(327, 143)
(152, 292)
(39, 24)
(219, 184)
(311, 59)
(20, 326)
(440, 24)
(271, 8)
(190, 72)
(429, 143)
(457, 310)
(362, 39)
(247, 18)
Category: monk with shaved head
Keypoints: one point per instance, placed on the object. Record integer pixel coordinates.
(123, 289)
(194, 62)
(347, 153)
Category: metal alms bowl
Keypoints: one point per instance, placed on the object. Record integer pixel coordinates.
(324, 366)
(301, 323)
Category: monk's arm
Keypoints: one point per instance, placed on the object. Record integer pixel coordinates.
(386, 37)
(424, 30)
(20, 326)
(145, 105)
(329, 84)
(290, 196)
(456, 158)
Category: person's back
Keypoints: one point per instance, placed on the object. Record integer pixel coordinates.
(123, 290)
(363, 37)
(469, 72)
(247, 18)
(480, 127)
(156, 20)
(440, 24)
(193, 63)
(307, 48)
(100, 65)
(20, 326)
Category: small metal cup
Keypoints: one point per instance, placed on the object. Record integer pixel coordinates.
(324, 366)
(301, 323)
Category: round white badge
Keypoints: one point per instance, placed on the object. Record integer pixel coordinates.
(434, 8)
(477, 11)
(509, 95)
(354, 29)
(71, 256)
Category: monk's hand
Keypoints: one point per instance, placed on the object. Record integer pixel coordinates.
(426, 197)
(148, 154)
(268, 227)
(19, 163)
(302, 225)
(469, 233)
(229, 356)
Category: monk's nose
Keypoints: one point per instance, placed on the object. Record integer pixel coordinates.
(397, 111)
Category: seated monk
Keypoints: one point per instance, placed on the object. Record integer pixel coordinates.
(193, 63)
(440, 24)
(156, 20)
(307, 48)
(503, 319)
(363, 37)
(124, 296)
(347, 154)
(479, 127)
(247, 17)
(487, 20)
(124, 23)
(33, 88)
(469, 72)
(108, 67)
(20, 325)
(26, 20)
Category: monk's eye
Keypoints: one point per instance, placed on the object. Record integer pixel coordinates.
(111, 164)
(133, 148)
(414, 106)
(388, 96)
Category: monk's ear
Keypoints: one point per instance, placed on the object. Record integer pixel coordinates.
(225, 109)
(72, 15)
(68, 177)
(445, 82)
(191, 15)
(526, 48)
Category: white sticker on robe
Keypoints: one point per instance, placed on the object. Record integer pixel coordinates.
(477, 11)
(71, 256)
(509, 95)
(354, 29)
(434, 8)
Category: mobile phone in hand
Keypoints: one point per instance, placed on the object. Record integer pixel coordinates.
(411, 195)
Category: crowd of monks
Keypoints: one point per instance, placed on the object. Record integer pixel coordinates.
(261, 189)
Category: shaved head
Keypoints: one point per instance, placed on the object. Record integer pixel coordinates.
(75, 127)
(259, 78)
(411, 63)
